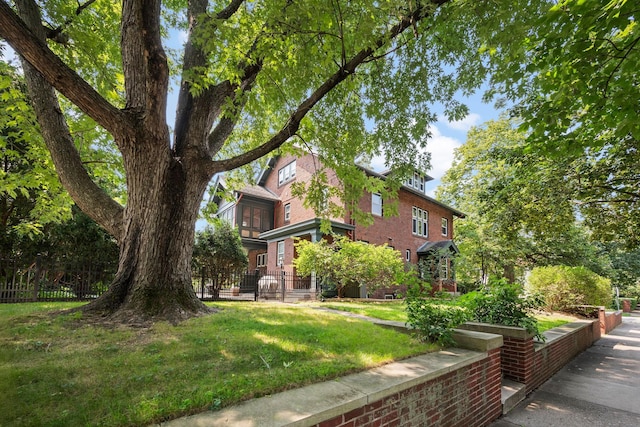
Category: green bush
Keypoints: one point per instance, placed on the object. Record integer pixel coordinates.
(502, 303)
(433, 321)
(565, 287)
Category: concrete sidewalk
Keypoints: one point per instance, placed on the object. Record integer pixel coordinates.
(600, 387)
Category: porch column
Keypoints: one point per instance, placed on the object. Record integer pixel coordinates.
(316, 235)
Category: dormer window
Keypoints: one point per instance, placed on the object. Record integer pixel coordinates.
(287, 173)
(417, 181)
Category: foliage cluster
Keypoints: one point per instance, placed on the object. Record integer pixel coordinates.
(218, 255)
(434, 320)
(565, 287)
(345, 262)
(499, 303)
(503, 303)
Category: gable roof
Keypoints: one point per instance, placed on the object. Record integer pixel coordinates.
(456, 212)
(435, 246)
(250, 190)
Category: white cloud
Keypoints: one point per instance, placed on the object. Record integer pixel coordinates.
(441, 148)
(465, 124)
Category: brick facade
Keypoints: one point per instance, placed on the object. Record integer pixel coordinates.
(395, 231)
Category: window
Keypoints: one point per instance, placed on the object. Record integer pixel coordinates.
(376, 204)
(287, 173)
(445, 227)
(280, 257)
(444, 269)
(407, 255)
(287, 212)
(417, 181)
(261, 260)
(227, 214)
(420, 222)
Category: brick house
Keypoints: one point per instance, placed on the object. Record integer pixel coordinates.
(269, 218)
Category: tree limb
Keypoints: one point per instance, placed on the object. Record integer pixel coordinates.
(190, 110)
(55, 34)
(57, 73)
(349, 68)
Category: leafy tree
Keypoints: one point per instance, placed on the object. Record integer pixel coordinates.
(253, 76)
(345, 262)
(519, 205)
(30, 194)
(220, 248)
(571, 74)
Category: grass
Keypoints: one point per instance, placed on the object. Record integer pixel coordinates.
(395, 310)
(58, 371)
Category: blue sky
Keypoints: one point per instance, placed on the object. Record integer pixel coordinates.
(446, 136)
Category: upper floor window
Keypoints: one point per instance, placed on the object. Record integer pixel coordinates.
(445, 227)
(287, 212)
(376, 204)
(420, 222)
(417, 181)
(228, 214)
(255, 220)
(287, 173)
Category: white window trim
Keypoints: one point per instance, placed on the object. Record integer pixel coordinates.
(287, 173)
(374, 211)
(420, 222)
(445, 227)
(407, 255)
(444, 269)
(280, 253)
(261, 260)
(287, 212)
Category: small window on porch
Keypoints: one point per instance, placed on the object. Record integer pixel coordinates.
(261, 260)
(280, 258)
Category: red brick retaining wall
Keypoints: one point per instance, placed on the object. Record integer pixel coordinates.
(532, 363)
(609, 321)
(469, 396)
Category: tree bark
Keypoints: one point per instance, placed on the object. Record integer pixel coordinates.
(153, 281)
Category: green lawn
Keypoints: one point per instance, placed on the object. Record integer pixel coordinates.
(395, 310)
(56, 371)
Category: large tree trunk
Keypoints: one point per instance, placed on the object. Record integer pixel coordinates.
(153, 280)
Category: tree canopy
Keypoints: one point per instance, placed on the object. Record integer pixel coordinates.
(252, 77)
(348, 79)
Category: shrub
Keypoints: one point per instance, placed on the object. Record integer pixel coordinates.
(565, 287)
(502, 303)
(432, 320)
(344, 262)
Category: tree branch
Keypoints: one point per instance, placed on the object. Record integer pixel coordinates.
(191, 110)
(92, 199)
(57, 73)
(55, 34)
(349, 68)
